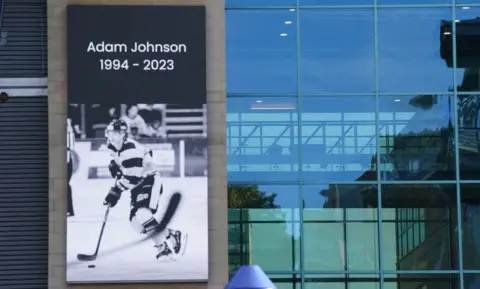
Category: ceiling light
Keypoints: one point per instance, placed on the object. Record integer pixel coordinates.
(457, 21)
(465, 8)
(447, 33)
(397, 100)
(292, 10)
(259, 101)
(288, 22)
(283, 34)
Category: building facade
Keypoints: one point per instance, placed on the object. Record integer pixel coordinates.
(343, 142)
(352, 126)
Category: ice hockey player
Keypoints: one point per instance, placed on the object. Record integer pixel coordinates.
(133, 169)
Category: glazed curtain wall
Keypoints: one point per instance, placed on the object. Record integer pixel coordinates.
(353, 144)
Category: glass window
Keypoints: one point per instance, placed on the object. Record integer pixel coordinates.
(411, 58)
(262, 139)
(468, 107)
(470, 198)
(335, 2)
(261, 51)
(333, 64)
(468, 51)
(436, 248)
(338, 138)
(342, 281)
(264, 227)
(471, 281)
(259, 3)
(282, 281)
(412, 2)
(422, 281)
(340, 227)
(466, 7)
(416, 137)
(292, 281)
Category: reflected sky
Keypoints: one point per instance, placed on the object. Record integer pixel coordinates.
(409, 50)
(261, 51)
(322, 51)
(333, 64)
(292, 3)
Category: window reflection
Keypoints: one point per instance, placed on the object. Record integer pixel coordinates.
(471, 281)
(342, 281)
(468, 52)
(262, 139)
(422, 281)
(337, 64)
(469, 136)
(259, 3)
(338, 138)
(412, 2)
(261, 51)
(408, 50)
(416, 137)
(292, 282)
(336, 2)
(471, 226)
(340, 227)
(419, 224)
(263, 227)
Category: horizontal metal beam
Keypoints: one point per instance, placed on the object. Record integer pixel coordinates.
(24, 92)
(23, 82)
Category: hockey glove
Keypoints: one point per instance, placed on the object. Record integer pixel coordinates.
(113, 196)
(114, 169)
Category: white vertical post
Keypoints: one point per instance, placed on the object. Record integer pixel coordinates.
(182, 158)
(205, 119)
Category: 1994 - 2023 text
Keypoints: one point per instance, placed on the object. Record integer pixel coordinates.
(146, 64)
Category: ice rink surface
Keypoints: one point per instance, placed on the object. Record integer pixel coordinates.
(121, 256)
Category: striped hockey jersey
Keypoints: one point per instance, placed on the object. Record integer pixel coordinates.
(135, 162)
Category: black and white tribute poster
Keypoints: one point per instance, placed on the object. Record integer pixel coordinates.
(137, 144)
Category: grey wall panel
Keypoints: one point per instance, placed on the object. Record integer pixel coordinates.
(23, 38)
(24, 192)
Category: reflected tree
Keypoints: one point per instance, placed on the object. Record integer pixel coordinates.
(250, 197)
(257, 229)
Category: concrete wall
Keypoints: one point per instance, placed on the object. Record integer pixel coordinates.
(57, 99)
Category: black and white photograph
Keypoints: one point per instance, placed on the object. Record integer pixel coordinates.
(136, 144)
(137, 193)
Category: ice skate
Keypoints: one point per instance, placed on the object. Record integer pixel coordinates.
(164, 253)
(180, 242)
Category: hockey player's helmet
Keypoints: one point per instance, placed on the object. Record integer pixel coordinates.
(117, 125)
(116, 132)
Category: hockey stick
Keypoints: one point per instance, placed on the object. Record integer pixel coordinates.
(172, 207)
(86, 257)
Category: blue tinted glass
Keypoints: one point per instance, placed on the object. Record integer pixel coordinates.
(338, 138)
(340, 226)
(417, 137)
(337, 51)
(409, 50)
(261, 51)
(468, 112)
(409, 209)
(259, 3)
(262, 139)
(263, 226)
(468, 50)
(467, 2)
(336, 2)
(412, 2)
